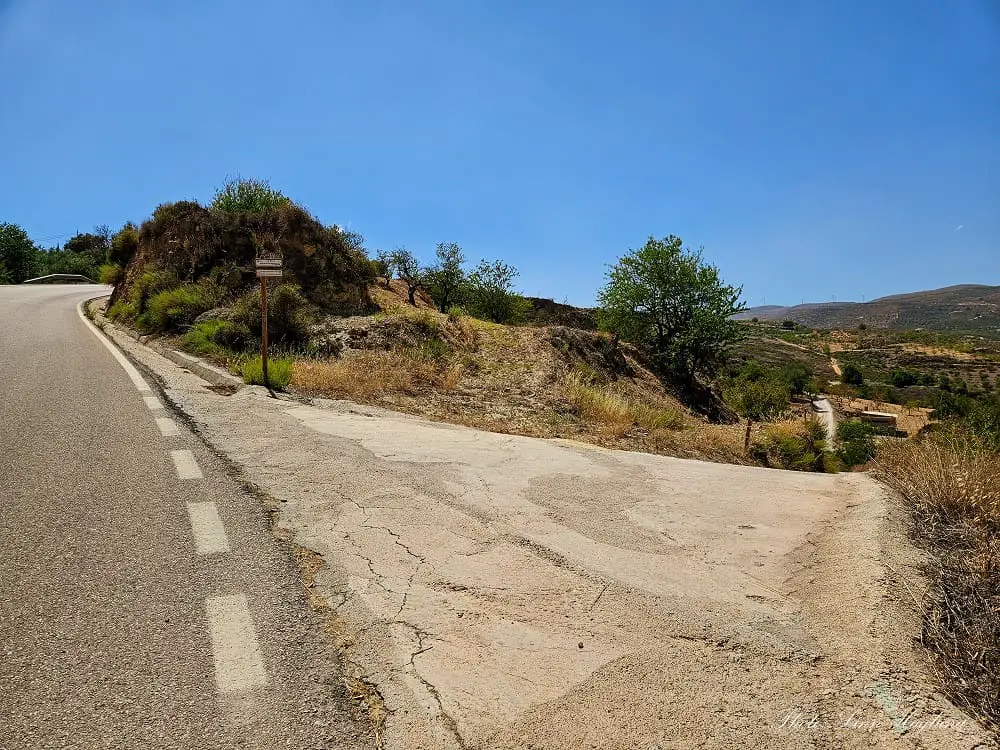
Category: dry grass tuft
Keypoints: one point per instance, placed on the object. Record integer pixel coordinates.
(948, 478)
(365, 375)
(951, 484)
(617, 411)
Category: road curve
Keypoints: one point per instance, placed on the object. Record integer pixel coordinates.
(145, 602)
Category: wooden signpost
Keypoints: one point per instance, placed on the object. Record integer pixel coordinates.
(268, 267)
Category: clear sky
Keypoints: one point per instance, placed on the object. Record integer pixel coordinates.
(815, 149)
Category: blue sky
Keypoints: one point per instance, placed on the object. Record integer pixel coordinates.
(814, 149)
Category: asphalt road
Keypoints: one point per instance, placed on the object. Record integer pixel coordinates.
(144, 602)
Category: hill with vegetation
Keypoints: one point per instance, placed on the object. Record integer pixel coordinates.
(965, 308)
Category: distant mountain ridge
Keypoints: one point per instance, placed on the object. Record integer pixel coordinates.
(963, 308)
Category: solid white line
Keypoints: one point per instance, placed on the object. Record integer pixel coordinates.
(239, 665)
(152, 402)
(168, 428)
(128, 366)
(187, 467)
(209, 533)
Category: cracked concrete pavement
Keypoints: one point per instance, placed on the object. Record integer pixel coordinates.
(511, 592)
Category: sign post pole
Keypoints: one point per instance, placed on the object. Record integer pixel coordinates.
(268, 266)
(263, 330)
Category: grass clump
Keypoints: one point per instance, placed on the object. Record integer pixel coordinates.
(951, 484)
(371, 374)
(171, 309)
(279, 371)
(617, 411)
(799, 446)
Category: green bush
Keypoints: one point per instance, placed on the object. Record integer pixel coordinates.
(216, 336)
(289, 314)
(857, 442)
(279, 371)
(124, 244)
(249, 195)
(123, 310)
(110, 274)
(150, 284)
(800, 447)
(170, 309)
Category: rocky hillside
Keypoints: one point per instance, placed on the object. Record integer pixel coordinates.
(192, 242)
(966, 308)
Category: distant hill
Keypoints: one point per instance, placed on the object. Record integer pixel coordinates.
(965, 308)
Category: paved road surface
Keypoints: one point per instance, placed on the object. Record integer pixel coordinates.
(829, 420)
(138, 608)
(506, 592)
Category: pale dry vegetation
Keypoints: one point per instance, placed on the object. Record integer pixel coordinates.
(951, 484)
(610, 406)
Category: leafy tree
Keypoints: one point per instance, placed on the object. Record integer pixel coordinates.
(491, 292)
(788, 325)
(18, 253)
(250, 195)
(446, 278)
(759, 400)
(852, 375)
(95, 245)
(797, 376)
(668, 299)
(382, 265)
(4, 274)
(407, 268)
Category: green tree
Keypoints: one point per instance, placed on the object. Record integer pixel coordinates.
(17, 253)
(446, 278)
(491, 292)
(852, 375)
(4, 274)
(382, 265)
(668, 299)
(93, 244)
(407, 268)
(760, 400)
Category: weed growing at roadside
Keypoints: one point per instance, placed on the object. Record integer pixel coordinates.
(951, 484)
(616, 411)
(279, 371)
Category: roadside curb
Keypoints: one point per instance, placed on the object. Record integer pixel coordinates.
(207, 372)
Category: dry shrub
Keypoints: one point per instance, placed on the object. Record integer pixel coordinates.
(365, 375)
(951, 484)
(617, 411)
(451, 377)
(705, 442)
(950, 477)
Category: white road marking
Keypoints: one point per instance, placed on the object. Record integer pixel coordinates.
(152, 403)
(129, 368)
(209, 533)
(168, 428)
(187, 467)
(239, 665)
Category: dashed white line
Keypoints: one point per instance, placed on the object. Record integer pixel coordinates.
(168, 428)
(209, 533)
(239, 665)
(152, 403)
(129, 368)
(187, 467)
